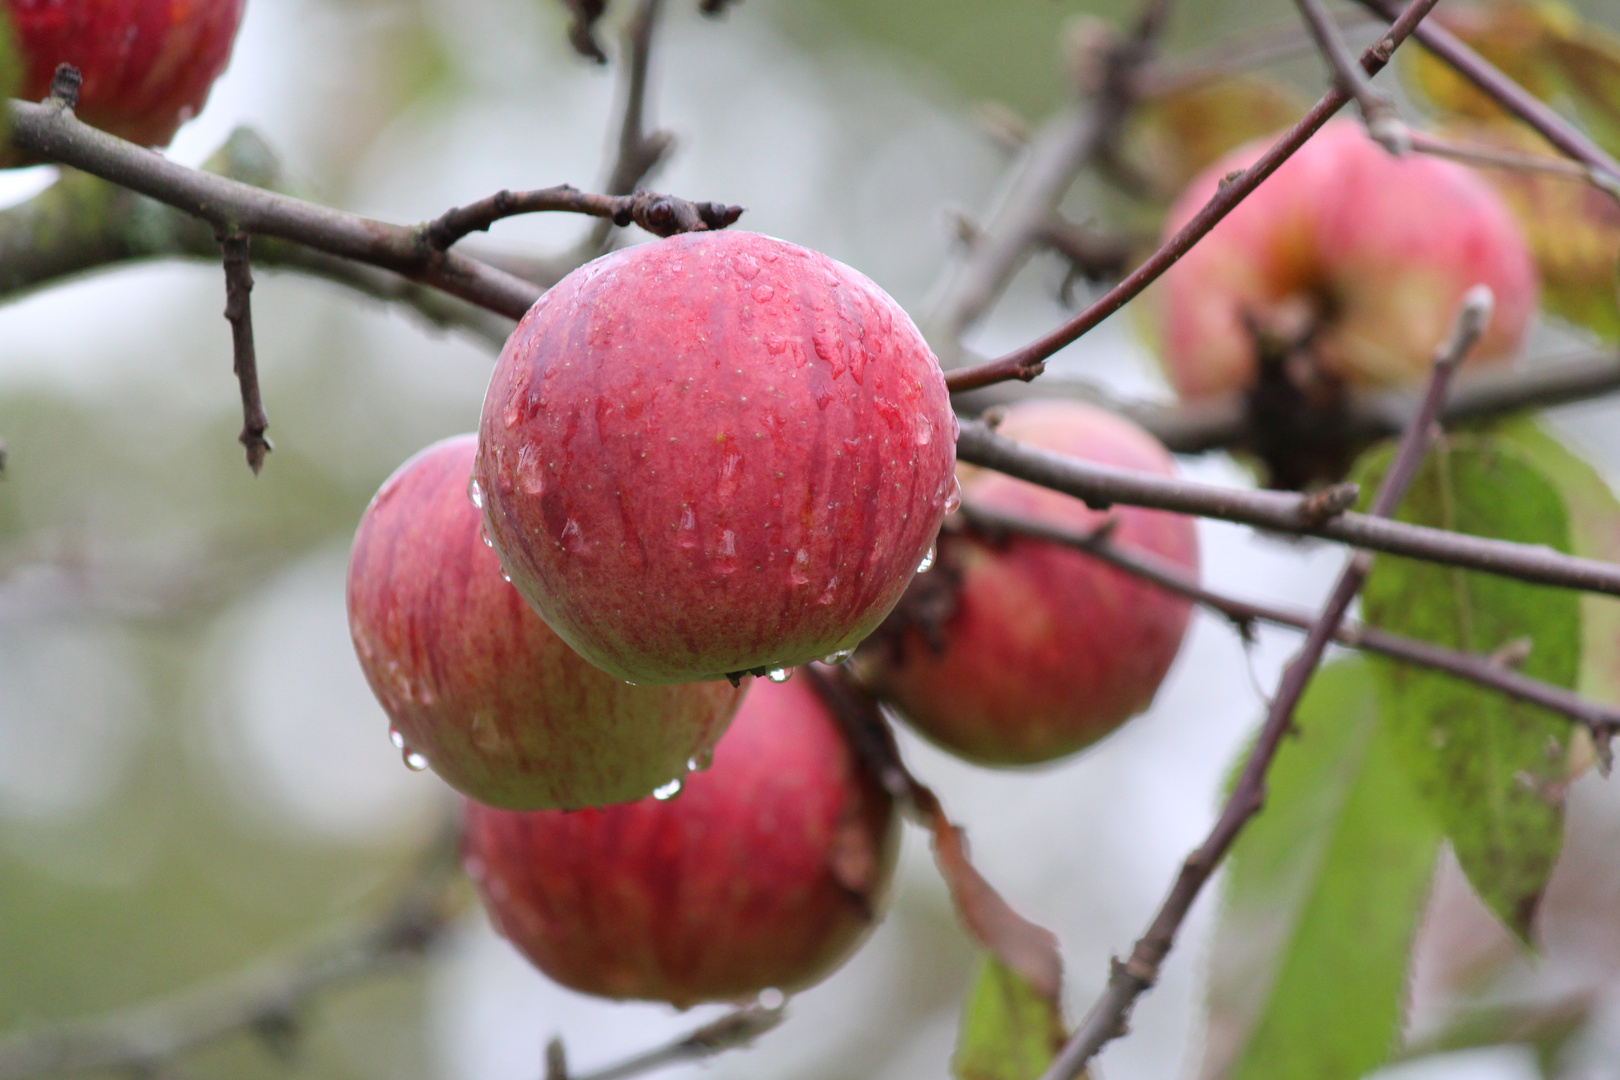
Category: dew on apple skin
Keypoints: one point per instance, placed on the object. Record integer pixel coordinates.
(483, 534)
(668, 791)
(505, 576)
(799, 574)
(475, 492)
(834, 659)
(779, 675)
(414, 761)
(953, 501)
(396, 737)
(572, 537)
(771, 998)
(763, 294)
(700, 761)
(927, 563)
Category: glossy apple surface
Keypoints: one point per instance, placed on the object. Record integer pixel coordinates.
(1047, 649)
(714, 453)
(147, 64)
(764, 871)
(474, 682)
(1367, 253)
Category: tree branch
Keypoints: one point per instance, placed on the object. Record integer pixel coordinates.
(661, 215)
(1377, 109)
(737, 1028)
(265, 1000)
(1134, 977)
(1027, 362)
(239, 311)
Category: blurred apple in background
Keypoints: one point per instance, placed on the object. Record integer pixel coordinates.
(1347, 255)
(477, 686)
(762, 872)
(714, 454)
(147, 64)
(1044, 649)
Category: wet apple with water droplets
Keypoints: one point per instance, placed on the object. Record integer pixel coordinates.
(476, 686)
(713, 454)
(762, 872)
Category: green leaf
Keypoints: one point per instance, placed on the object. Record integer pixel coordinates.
(1594, 522)
(1322, 898)
(1010, 1030)
(1494, 770)
(10, 73)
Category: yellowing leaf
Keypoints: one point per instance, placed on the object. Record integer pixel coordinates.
(1009, 1031)
(1511, 34)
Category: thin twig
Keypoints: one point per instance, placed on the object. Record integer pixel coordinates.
(1231, 56)
(1496, 158)
(661, 215)
(1509, 94)
(1377, 108)
(735, 1029)
(1601, 720)
(263, 999)
(1027, 362)
(1133, 977)
(239, 311)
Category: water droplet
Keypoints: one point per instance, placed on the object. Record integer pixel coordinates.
(668, 791)
(826, 596)
(772, 998)
(483, 534)
(763, 294)
(927, 563)
(800, 572)
(505, 576)
(726, 553)
(779, 675)
(475, 492)
(924, 436)
(953, 501)
(572, 538)
(530, 476)
(700, 761)
(834, 659)
(414, 761)
(686, 534)
(396, 738)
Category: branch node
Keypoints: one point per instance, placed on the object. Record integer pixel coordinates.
(239, 312)
(1329, 502)
(64, 92)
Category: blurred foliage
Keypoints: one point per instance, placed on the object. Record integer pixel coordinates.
(1171, 139)
(1494, 770)
(1300, 903)
(1009, 1030)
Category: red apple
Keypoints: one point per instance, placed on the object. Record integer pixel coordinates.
(1365, 255)
(712, 454)
(1046, 649)
(764, 871)
(477, 685)
(147, 64)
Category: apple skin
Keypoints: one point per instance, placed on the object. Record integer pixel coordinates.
(765, 871)
(714, 453)
(147, 64)
(1376, 250)
(473, 681)
(1046, 649)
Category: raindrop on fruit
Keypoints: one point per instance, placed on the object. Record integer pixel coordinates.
(668, 791)
(779, 675)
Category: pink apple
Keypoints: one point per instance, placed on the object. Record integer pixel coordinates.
(1367, 253)
(147, 64)
(712, 454)
(475, 683)
(1047, 649)
(764, 871)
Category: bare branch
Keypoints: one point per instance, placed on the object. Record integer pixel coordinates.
(737, 1028)
(1509, 94)
(149, 1036)
(1232, 56)
(239, 311)
(1132, 978)
(1377, 109)
(1027, 362)
(661, 215)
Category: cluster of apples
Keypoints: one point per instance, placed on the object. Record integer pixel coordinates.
(703, 460)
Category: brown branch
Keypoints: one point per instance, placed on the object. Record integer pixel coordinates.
(1509, 94)
(661, 215)
(265, 1000)
(1602, 721)
(1495, 158)
(735, 1029)
(239, 311)
(1131, 979)
(1231, 56)
(1377, 108)
(1027, 362)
